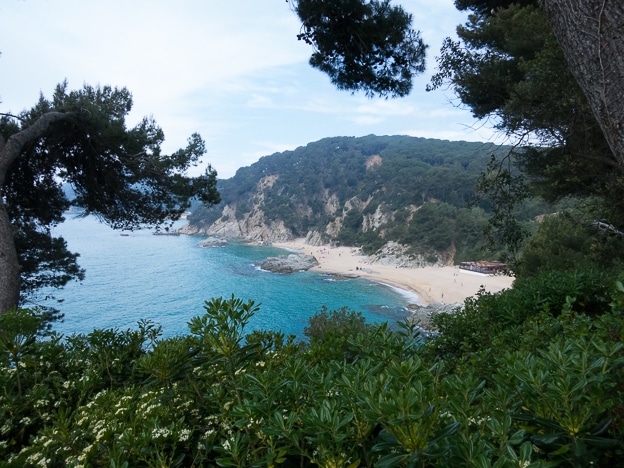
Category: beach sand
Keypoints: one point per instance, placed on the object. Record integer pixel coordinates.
(448, 285)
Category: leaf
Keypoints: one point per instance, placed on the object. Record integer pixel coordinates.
(578, 448)
(391, 461)
(601, 427)
(601, 442)
(517, 437)
(526, 449)
(225, 461)
(447, 431)
(546, 439)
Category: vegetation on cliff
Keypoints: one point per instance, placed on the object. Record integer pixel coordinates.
(367, 191)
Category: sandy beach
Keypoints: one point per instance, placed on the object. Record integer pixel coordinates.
(432, 284)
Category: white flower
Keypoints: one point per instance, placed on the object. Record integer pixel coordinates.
(159, 432)
(184, 435)
(6, 427)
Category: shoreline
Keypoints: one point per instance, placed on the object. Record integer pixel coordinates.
(447, 285)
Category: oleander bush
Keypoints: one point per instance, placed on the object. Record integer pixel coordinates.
(221, 397)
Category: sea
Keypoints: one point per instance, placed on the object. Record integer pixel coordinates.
(136, 275)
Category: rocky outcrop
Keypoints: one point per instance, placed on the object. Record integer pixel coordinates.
(289, 263)
(213, 242)
(332, 205)
(189, 230)
(252, 227)
(421, 315)
(375, 221)
(316, 239)
(395, 254)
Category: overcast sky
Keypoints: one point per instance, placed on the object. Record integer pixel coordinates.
(232, 71)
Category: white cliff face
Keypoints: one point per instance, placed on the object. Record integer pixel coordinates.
(376, 220)
(226, 226)
(395, 254)
(252, 227)
(315, 239)
(353, 203)
(333, 228)
(332, 205)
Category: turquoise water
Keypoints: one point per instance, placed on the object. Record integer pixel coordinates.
(167, 279)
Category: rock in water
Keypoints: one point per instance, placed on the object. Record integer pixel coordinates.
(288, 263)
(213, 242)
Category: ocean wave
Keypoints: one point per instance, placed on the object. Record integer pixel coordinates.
(410, 296)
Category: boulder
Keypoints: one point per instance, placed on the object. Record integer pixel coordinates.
(213, 242)
(422, 314)
(289, 263)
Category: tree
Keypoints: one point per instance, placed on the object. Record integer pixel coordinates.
(591, 35)
(117, 173)
(362, 44)
(549, 71)
(508, 65)
(568, 240)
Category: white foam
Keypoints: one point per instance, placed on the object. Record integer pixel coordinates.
(410, 296)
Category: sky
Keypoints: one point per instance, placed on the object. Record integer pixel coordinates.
(232, 71)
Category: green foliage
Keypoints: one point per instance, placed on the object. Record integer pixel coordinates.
(496, 319)
(351, 225)
(221, 397)
(116, 173)
(370, 241)
(329, 332)
(377, 188)
(362, 45)
(508, 66)
(566, 241)
(505, 190)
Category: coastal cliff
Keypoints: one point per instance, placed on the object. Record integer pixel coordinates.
(402, 200)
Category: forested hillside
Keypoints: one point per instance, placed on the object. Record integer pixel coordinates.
(362, 191)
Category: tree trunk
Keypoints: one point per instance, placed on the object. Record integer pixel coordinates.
(9, 264)
(591, 34)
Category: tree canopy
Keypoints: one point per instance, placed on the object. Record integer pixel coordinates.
(509, 66)
(362, 45)
(117, 173)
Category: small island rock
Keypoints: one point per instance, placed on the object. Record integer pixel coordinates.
(289, 263)
(213, 242)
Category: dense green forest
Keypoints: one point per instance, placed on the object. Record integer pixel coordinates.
(421, 191)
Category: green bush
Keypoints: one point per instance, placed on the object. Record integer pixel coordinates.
(221, 397)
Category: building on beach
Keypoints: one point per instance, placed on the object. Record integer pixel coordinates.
(489, 268)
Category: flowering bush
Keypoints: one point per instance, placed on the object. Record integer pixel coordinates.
(219, 397)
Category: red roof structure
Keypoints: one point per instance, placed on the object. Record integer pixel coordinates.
(482, 266)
